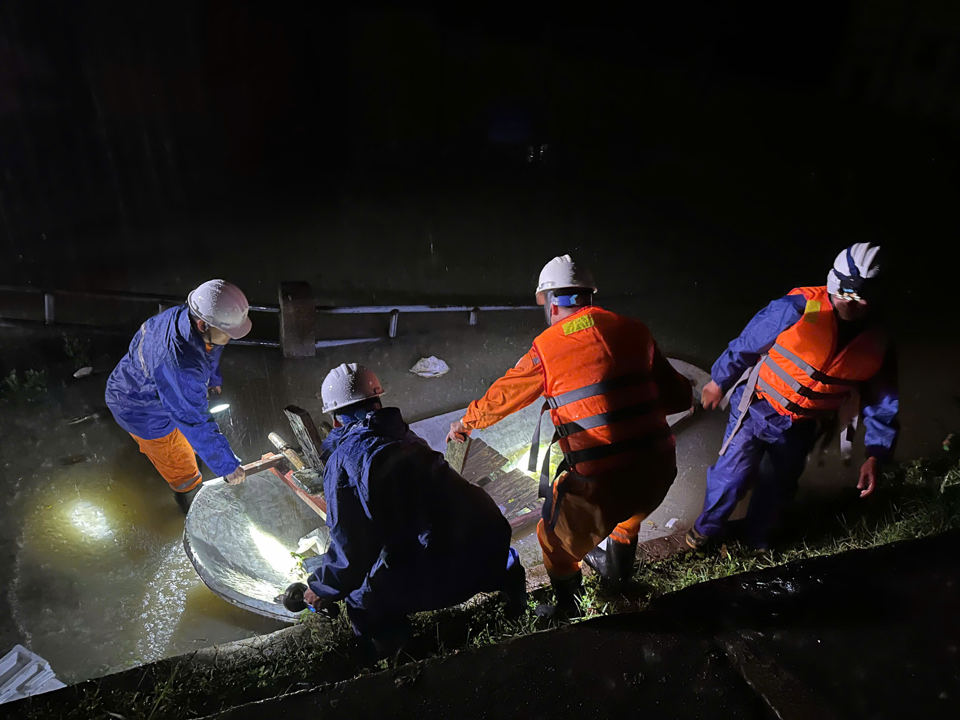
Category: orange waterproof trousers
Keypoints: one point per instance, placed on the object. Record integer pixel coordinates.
(583, 511)
(174, 458)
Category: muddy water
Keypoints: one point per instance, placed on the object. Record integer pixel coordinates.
(93, 569)
(99, 580)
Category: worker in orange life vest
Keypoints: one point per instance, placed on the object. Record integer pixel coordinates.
(609, 391)
(801, 360)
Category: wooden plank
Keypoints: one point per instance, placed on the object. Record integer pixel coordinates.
(317, 503)
(514, 492)
(456, 454)
(270, 461)
(308, 436)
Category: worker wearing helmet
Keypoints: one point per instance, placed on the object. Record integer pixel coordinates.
(407, 533)
(609, 390)
(158, 391)
(807, 358)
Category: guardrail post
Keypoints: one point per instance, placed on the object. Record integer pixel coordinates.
(49, 309)
(394, 321)
(473, 316)
(298, 320)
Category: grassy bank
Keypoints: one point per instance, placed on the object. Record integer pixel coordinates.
(915, 499)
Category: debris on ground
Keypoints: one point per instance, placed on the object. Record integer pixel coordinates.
(83, 418)
(83, 372)
(429, 367)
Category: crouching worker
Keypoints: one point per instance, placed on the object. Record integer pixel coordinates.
(158, 391)
(407, 533)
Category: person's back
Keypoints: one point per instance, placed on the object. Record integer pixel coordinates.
(609, 390)
(609, 393)
(161, 348)
(416, 503)
(407, 533)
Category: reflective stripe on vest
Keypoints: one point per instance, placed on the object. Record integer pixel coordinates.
(600, 452)
(796, 385)
(598, 388)
(804, 374)
(789, 405)
(601, 394)
(811, 371)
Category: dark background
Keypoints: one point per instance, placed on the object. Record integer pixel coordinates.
(424, 155)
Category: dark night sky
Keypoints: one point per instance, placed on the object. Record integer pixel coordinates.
(827, 123)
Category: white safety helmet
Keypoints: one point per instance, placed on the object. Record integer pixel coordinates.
(563, 272)
(222, 305)
(853, 270)
(347, 384)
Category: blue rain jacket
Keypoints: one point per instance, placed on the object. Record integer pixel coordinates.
(407, 533)
(879, 397)
(161, 385)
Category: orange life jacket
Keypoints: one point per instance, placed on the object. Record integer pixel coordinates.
(599, 387)
(803, 375)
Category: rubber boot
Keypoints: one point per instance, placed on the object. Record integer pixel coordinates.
(185, 499)
(515, 587)
(623, 560)
(613, 561)
(568, 592)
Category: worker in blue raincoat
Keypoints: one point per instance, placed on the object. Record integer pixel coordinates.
(811, 360)
(158, 391)
(407, 533)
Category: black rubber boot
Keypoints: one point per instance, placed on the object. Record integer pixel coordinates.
(185, 499)
(568, 592)
(623, 560)
(614, 563)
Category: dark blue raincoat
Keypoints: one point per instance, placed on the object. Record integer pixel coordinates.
(161, 385)
(770, 450)
(407, 533)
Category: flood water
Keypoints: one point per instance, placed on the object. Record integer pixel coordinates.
(94, 569)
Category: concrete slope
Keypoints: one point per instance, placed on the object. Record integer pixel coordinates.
(863, 634)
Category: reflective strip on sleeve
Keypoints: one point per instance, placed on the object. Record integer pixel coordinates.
(143, 363)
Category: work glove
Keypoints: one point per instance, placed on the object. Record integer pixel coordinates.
(236, 477)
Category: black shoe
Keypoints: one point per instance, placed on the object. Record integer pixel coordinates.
(515, 591)
(615, 562)
(568, 592)
(185, 499)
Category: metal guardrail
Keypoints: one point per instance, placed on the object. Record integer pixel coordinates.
(49, 299)
(394, 311)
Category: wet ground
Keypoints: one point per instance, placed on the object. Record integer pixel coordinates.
(868, 634)
(96, 577)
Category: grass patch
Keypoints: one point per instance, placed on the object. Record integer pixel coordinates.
(915, 499)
